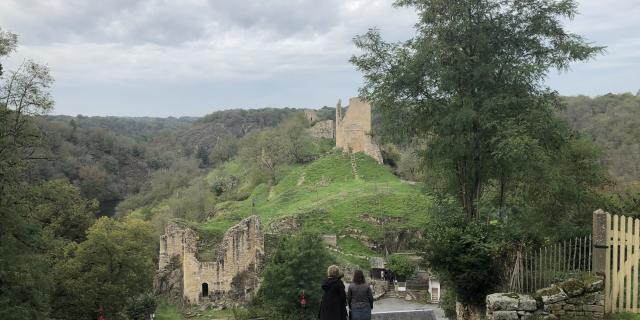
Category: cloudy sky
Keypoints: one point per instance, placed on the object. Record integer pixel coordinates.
(192, 57)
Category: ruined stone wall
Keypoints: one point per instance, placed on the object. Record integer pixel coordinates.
(353, 129)
(323, 129)
(311, 116)
(571, 299)
(240, 254)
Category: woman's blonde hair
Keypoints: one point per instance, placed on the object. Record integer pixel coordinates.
(333, 271)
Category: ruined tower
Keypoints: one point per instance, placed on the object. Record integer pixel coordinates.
(353, 129)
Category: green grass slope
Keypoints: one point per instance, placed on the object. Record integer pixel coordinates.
(325, 196)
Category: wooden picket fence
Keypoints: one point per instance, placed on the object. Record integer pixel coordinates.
(622, 264)
(540, 268)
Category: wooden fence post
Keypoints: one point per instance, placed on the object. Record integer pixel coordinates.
(599, 242)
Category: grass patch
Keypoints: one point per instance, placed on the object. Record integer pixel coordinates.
(354, 246)
(623, 316)
(168, 311)
(329, 200)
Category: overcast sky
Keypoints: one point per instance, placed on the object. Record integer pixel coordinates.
(192, 57)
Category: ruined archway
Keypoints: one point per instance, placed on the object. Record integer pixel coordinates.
(205, 289)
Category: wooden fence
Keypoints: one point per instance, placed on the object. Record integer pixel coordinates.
(540, 268)
(621, 264)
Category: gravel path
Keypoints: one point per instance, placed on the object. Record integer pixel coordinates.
(395, 304)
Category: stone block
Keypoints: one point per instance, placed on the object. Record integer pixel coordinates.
(572, 287)
(555, 307)
(505, 315)
(503, 302)
(527, 303)
(552, 295)
(595, 286)
(590, 298)
(593, 308)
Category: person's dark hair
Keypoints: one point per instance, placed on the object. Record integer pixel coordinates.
(358, 277)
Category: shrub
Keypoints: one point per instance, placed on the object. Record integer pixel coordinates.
(401, 266)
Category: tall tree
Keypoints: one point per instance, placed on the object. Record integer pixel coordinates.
(472, 83)
(24, 268)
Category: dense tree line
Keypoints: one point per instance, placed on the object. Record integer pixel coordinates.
(55, 262)
(612, 122)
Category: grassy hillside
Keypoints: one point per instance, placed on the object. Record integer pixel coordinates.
(324, 196)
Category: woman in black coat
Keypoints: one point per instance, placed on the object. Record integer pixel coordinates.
(334, 299)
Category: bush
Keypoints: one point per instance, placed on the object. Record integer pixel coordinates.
(401, 266)
(467, 255)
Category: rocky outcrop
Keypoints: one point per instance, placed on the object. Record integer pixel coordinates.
(570, 299)
(230, 277)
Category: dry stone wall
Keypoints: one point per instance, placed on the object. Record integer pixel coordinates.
(231, 276)
(572, 299)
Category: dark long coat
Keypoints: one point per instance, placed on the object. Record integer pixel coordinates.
(334, 300)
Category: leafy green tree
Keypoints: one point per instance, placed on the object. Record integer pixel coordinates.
(300, 143)
(472, 83)
(115, 263)
(265, 151)
(202, 154)
(24, 267)
(60, 208)
(224, 149)
(25, 282)
(8, 42)
(300, 263)
(401, 266)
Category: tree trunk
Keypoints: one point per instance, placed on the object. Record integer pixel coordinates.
(468, 312)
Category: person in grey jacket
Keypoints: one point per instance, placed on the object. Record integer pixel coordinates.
(360, 297)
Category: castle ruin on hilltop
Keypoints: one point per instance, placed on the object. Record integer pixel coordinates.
(352, 128)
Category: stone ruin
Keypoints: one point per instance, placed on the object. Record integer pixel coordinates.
(352, 128)
(232, 277)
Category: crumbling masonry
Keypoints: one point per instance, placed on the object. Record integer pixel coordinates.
(352, 128)
(232, 276)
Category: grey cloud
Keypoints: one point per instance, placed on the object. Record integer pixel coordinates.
(274, 52)
(162, 21)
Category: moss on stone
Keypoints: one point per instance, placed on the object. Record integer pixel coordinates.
(548, 291)
(572, 285)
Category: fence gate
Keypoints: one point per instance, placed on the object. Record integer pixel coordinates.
(621, 261)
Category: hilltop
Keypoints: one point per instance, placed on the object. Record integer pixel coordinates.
(324, 196)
